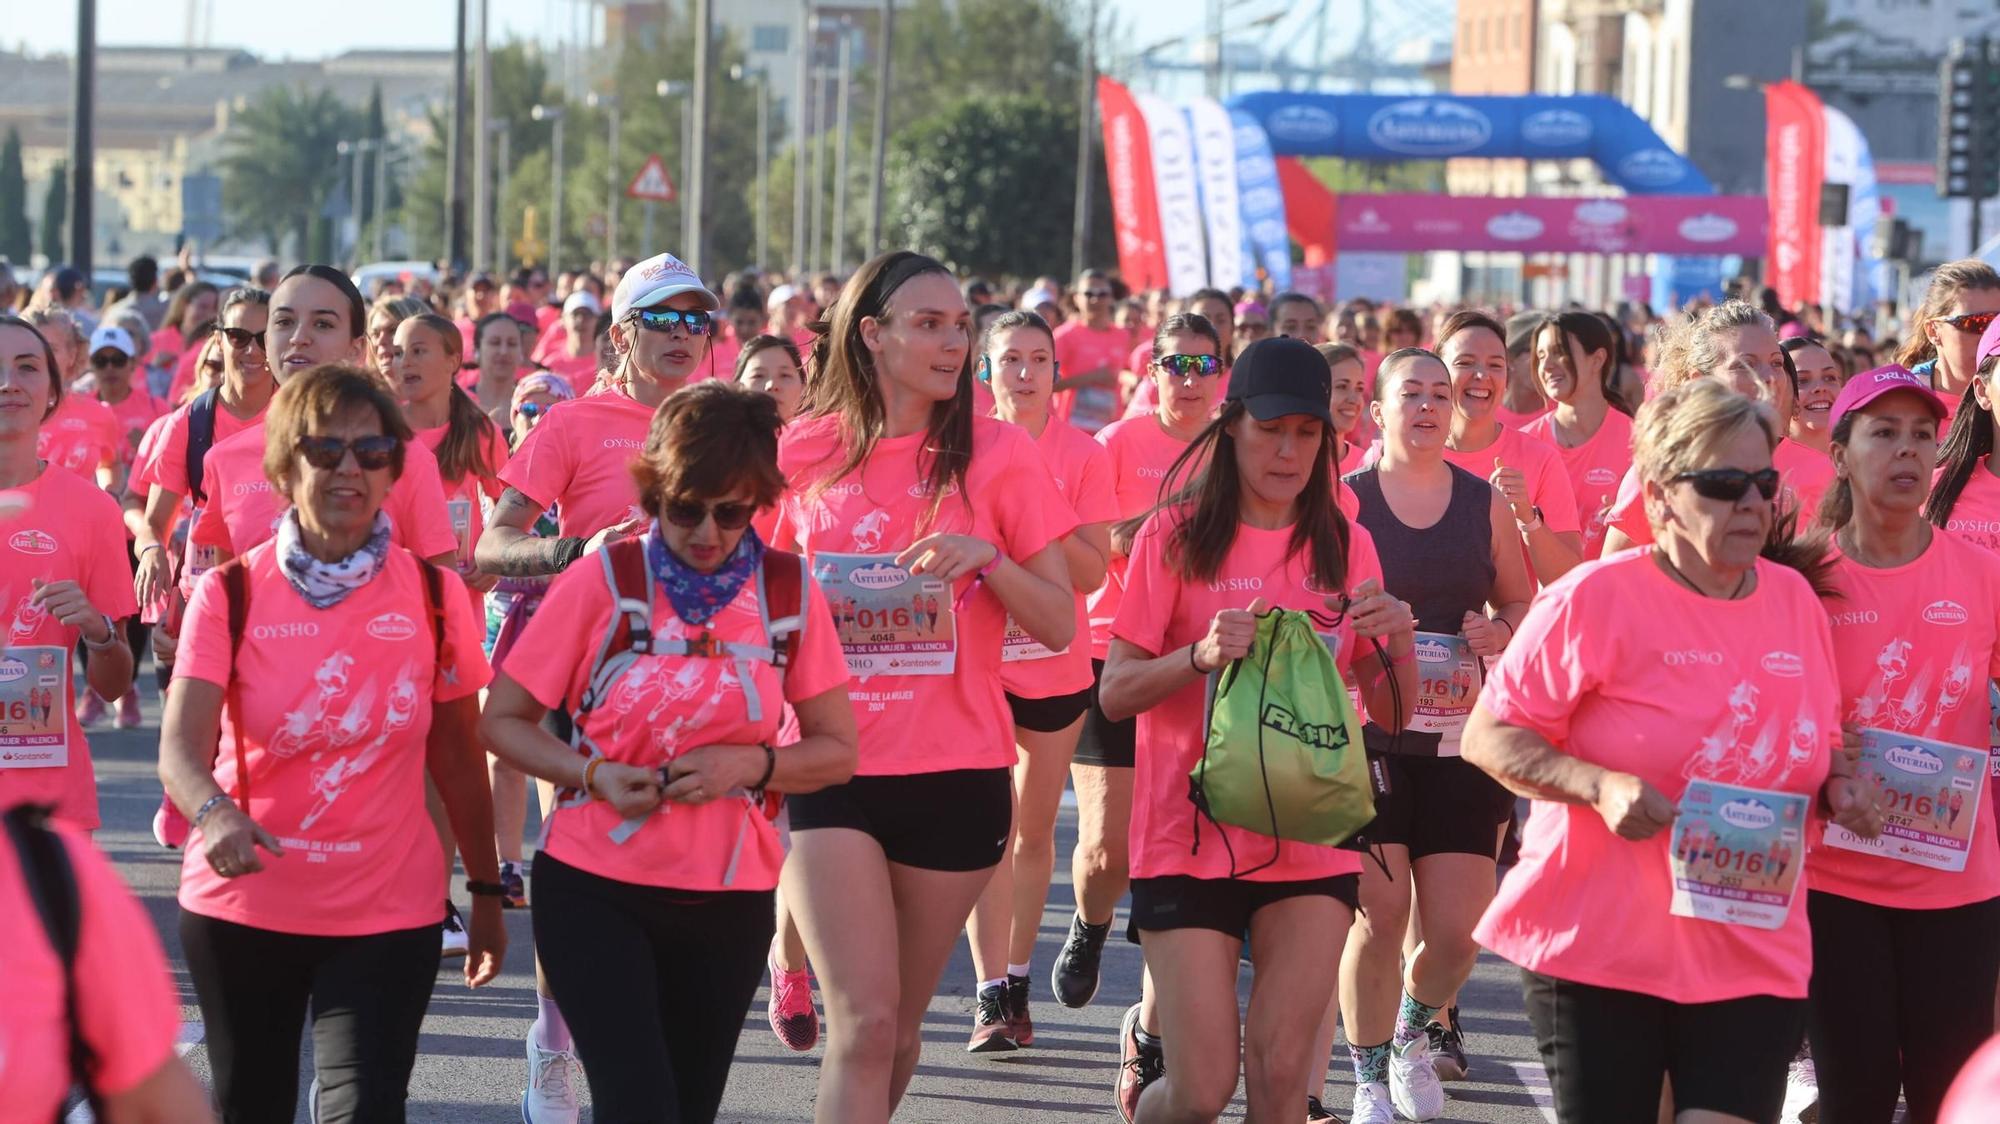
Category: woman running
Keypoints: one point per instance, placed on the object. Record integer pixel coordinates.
(1048, 691)
(1820, 379)
(63, 580)
(191, 316)
(1962, 302)
(654, 888)
(1254, 528)
(1588, 427)
(82, 436)
(1883, 909)
(1447, 541)
(469, 448)
(384, 316)
(772, 364)
(897, 487)
(1629, 738)
(1349, 404)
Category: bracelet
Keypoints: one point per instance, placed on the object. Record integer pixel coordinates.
(150, 546)
(1198, 669)
(1394, 660)
(1508, 623)
(569, 548)
(485, 889)
(770, 766)
(1531, 525)
(590, 771)
(207, 806)
(110, 636)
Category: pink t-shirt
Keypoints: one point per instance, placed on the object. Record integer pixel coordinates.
(244, 509)
(578, 458)
(65, 529)
(134, 417)
(1542, 466)
(1741, 693)
(81, 436)
(142, 479)
(125, 999)
(167, 466)
(184, 372)
(1082, 471)
(1161, 613)
(1805, 474)
(1145, 396)
(1141, 451)
(1512, 420)
(467, 499)
(924, 723)
(662, 707)
(580, 370)
(1594, 468)
(1975, 517)
(1916, 646)
(1081, 349)
(356, 722)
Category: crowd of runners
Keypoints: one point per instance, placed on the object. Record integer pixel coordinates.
(796, 605)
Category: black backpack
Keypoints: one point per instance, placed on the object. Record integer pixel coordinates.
(51, 885)
(201, 435)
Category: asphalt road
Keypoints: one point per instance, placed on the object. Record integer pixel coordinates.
(472, 1067)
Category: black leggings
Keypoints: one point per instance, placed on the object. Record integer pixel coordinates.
(654, 984)
(1900, 999)
(367, 996)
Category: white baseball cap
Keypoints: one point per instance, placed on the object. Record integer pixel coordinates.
(115, 338)
(582, 298)
(1034, 299)
(658, 278)
(780, 297)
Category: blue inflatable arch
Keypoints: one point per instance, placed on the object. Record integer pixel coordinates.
(1435, 127)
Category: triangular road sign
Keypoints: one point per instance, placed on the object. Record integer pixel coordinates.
(652, 182)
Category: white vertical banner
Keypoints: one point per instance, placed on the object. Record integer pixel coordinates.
(1215, 163)
(1179, 194)
(1840, 247)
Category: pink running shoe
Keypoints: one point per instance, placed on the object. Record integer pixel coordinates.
(793, 1018)
(128, 711)
(90, 710)
(170, 828)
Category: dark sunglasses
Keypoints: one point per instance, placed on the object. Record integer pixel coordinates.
(667, 319)
(242, 338)
(1190, 364)
(105, 359)
(1097, 294)
(532, 410)
(688, 515)
(371, 453)
(1730, 484)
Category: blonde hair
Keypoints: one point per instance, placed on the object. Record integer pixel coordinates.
(1687, 348)
(1947, 282)
(1679, 429)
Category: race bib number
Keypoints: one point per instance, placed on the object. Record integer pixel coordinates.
(34, 724)
(460, 510)
(1734, 854)
(1016, 646)
(1930, 799)
(1447, 685)
(890, 621)
(1993, 725)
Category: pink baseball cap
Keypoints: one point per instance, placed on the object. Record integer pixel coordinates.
(1867, 386)
(1989, 342)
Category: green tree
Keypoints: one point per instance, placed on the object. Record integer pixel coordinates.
(277, 170)
(55, 212)
(960, 193)
(14, 243)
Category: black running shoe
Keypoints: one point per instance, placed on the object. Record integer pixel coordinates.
(1074, 976)
(514, 888)
(1317, 1113)
(1448, 1049)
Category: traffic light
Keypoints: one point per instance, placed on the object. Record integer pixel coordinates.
(1969, 120)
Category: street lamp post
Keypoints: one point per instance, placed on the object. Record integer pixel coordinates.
(798, 109)
(381, 195)
(609, 103)
(499, 125)
(682, 90)
(694, 192)
(353, 150)
(554, 114)
(837, 254)
(763, 81)
(885, 49)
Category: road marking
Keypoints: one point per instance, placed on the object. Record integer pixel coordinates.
(189, 1037)
(1534, 1080)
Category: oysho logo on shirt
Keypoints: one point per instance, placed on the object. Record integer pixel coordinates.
(250, 487)
(392, 626)
(623, 443)
(33, 542)
(1236, 585)
(1946, 612)
(1691, 657)
(1152, 473)
(1859, 616)
(289, 631)
(1785, 665)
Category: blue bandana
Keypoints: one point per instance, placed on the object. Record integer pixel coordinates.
(695, 596)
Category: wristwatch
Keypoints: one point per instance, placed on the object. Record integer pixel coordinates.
(1532, 525)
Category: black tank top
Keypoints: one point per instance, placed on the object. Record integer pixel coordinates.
(1444, 571)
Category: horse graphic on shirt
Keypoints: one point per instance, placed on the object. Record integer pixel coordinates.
(868, 531)
(301, 728)
(28, 621)
(331, 779)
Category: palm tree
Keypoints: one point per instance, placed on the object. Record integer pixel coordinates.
(282, 163)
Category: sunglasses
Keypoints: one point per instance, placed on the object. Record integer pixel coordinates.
(371, 453)
(1097, 294)
(1974, 322)
(1185, 365)
(531, 410)
(667, 319)
(688, 515)
(106, 359)
(242, 338)
(1730, 484)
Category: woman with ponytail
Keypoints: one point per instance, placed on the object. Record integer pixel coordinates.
(1961, 303)
(1965, 496)
(1590, 426)
(470, 449)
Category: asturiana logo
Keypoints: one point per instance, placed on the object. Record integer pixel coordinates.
(1304, 123)
(1707, 227)
(12, 670)
(1914, 759)
(392, 626)
(1652, 167)
(1433, 651)
(1784, 665)
(1946, 612)
(1429, 127)
(1600, 477)
(32, 541)
(1748, 814)
(1514, 226)
(1555, 128)
(877, 575)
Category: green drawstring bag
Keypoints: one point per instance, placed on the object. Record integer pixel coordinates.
(1284, 756)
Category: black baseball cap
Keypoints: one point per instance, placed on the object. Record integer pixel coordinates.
(1280, 376)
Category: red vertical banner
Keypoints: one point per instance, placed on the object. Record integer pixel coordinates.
(1310, 209)
(1135, 202)
(1795, 161)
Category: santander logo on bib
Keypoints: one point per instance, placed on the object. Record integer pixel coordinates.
(1946, 612)
(1784, 665)
(33, 542)
(392, 626)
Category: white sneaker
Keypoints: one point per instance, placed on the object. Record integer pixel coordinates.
(551, 1095)
(1414, 1087)
(454, 941)
(1801, 1092)
(1371, 1104)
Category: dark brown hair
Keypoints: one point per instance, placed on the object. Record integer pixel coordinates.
(467, 429)
(705, 440)
(48, 357)
(1969, 442)
(1466, 320)
(1584, 332)
(313, 398)
(758, 344)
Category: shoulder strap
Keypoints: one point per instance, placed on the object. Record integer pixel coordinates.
(434, 609)
(51, 885)
(629, 632)
(200, 437)
(236, 585)
(784, 608)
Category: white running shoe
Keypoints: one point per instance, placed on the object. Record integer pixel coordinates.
(1371, 1104)
(453, 940)
(1801, 1092)
(1414, 1087)
(551, 1095)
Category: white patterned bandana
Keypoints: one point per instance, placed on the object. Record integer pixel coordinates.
(325, 584)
